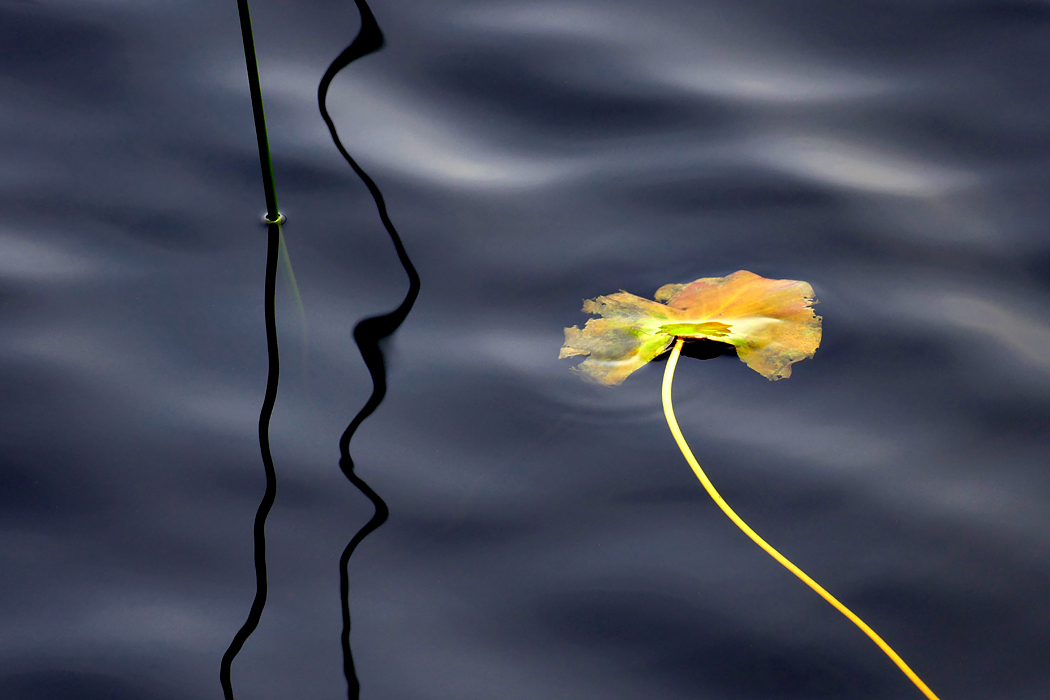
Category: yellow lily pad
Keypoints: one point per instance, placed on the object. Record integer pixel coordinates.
(770, 322)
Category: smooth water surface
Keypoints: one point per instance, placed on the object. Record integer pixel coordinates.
(546, 538)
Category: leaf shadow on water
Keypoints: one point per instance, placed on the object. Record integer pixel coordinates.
(368, 333)
(704, 349)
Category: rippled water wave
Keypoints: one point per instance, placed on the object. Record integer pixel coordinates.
(546, 539)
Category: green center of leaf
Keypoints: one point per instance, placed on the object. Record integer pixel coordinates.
(709, 329)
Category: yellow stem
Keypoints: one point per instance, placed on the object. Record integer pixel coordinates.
(673, 424)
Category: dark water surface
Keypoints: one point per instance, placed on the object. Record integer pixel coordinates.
(546, 539)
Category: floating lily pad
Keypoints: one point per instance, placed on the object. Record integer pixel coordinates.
(770, 322)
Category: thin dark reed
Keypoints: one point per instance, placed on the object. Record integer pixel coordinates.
(273, 246)
(367, 334)
(272, 212)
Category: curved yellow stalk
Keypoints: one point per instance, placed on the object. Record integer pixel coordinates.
(673, 424)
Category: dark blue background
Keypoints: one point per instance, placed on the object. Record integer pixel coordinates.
(546, 538)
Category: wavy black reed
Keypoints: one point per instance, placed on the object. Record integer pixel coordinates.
(367, 334)
(273, 246)
(273, 243)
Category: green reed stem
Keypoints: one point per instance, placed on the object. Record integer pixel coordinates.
(272, 214)
(273, 246)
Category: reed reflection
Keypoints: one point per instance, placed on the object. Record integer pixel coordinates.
(273, 244)
(367, 334)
